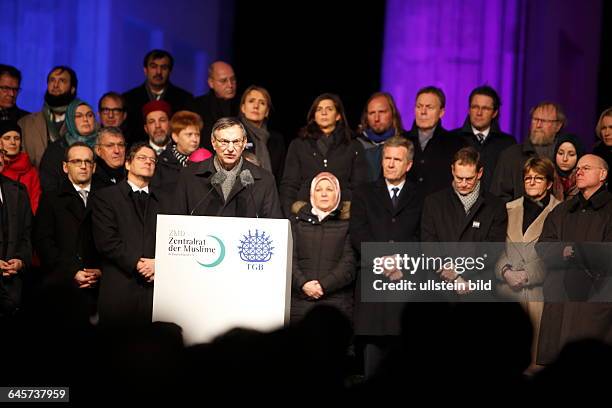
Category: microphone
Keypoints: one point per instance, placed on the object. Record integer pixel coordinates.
(216, 180)
(246, 179)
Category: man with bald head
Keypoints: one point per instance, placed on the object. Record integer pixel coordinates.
(547, 120)
(158, 66)
(581, 268)
(219, 102)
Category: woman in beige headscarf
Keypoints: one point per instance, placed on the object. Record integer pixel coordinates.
(323, 259)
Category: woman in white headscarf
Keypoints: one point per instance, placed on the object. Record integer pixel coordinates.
(323, 259)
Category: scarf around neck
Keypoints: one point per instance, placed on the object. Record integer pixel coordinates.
(469, 199)
(53, 126)
(260, 136)
(378, 137)
(182, 158)
(230, 176)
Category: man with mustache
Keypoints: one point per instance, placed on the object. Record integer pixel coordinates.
(158, 65)
(44, 127)
(156, 115)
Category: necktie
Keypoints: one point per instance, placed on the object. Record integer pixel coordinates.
(395, 198)
(83, 194)
(480, 137)
(141, 199)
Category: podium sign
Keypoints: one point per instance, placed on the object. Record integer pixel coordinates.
(213, 274)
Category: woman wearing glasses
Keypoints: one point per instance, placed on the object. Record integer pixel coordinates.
(326, 143)
(81, 126)
(17, 165)
(520, 273)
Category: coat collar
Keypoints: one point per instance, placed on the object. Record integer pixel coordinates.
(528, 148)
(125, 190)
(597, 200)
(206, 169)
(405, 196)
(515, 220)
(467, 126)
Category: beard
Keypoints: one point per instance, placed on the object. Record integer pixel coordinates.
(160, 139)
(56, 101)
(539, 139)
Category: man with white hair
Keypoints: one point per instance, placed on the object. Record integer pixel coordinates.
(586, 218)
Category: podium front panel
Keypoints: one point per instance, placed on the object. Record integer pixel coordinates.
(213, 274)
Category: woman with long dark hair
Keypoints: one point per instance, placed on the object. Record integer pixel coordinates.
(327, 144)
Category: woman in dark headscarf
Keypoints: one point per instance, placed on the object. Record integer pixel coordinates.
(323, 259)
(568, 150)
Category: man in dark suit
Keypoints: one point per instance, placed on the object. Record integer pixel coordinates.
(387, 210)
(15, 230)
(124, 221)
(219, 102)
(62, 231)
(464, 212)
(481, 130)
(158, 65)
(110, 157)
(434, 147)
(10, 82)
(227, 185)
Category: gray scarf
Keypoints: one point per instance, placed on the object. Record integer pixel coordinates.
(230, 176)
(425, 136)
(469, 199)
(260, 136)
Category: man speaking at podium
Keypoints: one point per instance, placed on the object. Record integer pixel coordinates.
(227, 185)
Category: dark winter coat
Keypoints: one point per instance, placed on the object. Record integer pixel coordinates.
(495, 143)
(322, 251)
(431, 167)
(123, 236)
(345, 160)
(571, 223)
(373, 219)
(195, 195)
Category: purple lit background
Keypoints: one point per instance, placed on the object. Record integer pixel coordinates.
(528, 50)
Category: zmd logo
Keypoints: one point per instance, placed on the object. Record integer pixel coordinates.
(256, 248)
(212, 256)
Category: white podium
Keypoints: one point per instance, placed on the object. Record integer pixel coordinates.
(213, 274)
